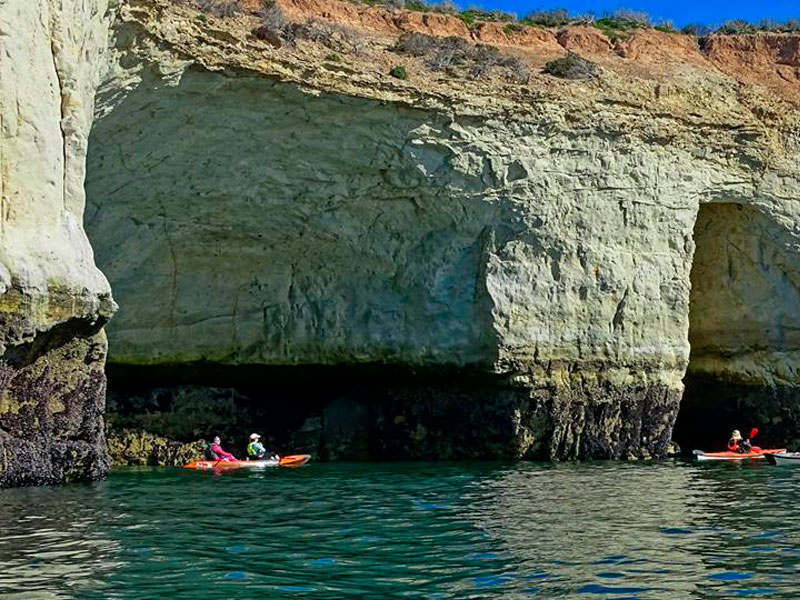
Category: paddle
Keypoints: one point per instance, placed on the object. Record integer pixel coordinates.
(753, 433)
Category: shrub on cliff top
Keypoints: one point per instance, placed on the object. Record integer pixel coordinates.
(666, 27)
(792, 25)
(454, 53)
(768, 25)
(339, 38)
(418, 44)
(444, 7)
(736, 26)
(398, 72)
(472, 16)
(572, 66)
(276, 29)
(512, 28)
(558, 17)
(696, 29)
(273, 26)
(620, 23)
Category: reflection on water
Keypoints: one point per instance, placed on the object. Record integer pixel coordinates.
(483, 530)
(52, 541)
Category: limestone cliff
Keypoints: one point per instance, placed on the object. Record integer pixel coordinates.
(53, 300)
(255, 205)
(445, 265)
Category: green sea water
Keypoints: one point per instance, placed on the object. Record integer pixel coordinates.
(448, 530)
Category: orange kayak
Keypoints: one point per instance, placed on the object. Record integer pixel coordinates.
(727, 455)
(293, 460)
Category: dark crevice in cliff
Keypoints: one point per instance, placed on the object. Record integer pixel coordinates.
(712, 407)
(55, 30)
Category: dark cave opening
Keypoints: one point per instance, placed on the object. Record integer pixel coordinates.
(355, 412)
(743, 321)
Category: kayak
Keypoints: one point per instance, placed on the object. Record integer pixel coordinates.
(784, 458)
(293, 460)
(727, 455)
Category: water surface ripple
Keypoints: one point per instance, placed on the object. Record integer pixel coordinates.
(448, 530)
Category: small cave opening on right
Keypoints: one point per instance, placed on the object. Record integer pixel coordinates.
(744, 330)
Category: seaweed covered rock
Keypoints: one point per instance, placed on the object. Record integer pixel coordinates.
(52, 398)
(133, 447)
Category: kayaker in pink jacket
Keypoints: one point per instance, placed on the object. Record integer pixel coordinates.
(215, 452)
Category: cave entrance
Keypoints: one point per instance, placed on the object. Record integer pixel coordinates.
(744, 320)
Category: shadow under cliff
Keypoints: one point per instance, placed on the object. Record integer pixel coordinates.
(356, 412)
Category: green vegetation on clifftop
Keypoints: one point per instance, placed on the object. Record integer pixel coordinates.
(616, 24)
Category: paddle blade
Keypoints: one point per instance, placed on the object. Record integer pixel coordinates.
(753, 432)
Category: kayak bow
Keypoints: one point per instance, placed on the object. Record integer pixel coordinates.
(727, 455)
(293, 460)
(785, 458)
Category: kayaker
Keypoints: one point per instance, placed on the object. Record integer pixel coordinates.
(255, 449)
(215, 451)
(737, 444)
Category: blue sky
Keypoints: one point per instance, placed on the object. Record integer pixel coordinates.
(681, 12)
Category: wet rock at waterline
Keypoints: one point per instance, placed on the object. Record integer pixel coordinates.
(138, 448)
(382, 413)
(52, 397)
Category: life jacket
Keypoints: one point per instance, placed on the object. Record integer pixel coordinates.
(254, 450)
(740, 446)
(210, 454)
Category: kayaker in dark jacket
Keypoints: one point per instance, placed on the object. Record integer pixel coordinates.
(737, 444)
(215, 452)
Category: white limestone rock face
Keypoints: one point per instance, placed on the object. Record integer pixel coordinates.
(52, 296)
(319, 230)
(244, 221)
